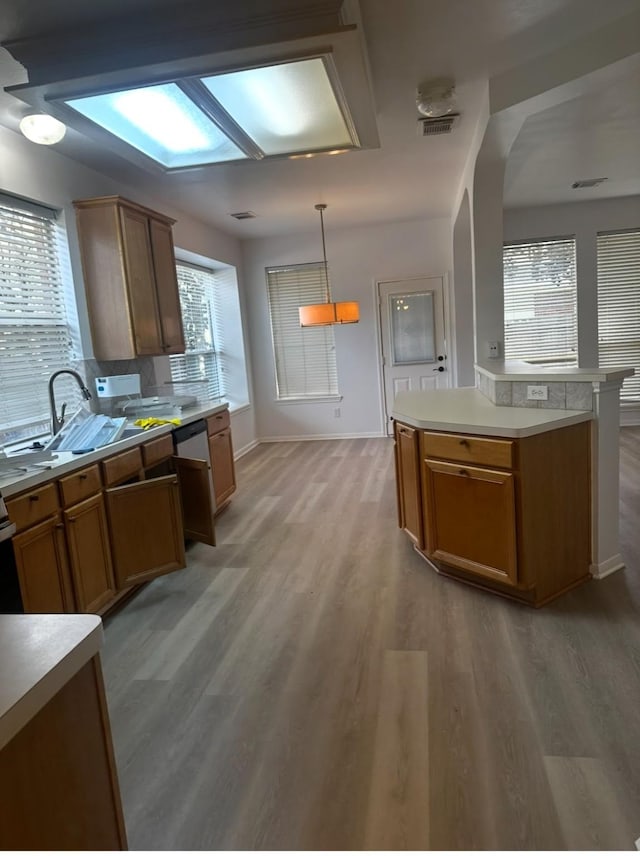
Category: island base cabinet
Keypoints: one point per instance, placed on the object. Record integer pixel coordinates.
(58, 781)
(146, 530)
(408, 482)
(512, 516)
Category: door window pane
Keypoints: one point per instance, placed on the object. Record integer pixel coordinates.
(412, 328)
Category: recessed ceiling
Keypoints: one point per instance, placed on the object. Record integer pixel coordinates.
(592, 136)
(407, 177)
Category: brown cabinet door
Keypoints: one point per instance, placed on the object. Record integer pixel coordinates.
(43, 571)
(408, 483)
(146, 530)
(89, 554)
(471, 519)
(58, 779)
(194, 477)
(224, 473)
(141, 282)
(167, 288)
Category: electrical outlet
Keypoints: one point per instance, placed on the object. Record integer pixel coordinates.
(537, 393)
(493, 350)
(336, 412)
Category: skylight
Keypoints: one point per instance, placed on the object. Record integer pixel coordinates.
(281, 109)
(162, 123)
(284, 108)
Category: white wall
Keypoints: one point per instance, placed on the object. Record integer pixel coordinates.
(584, 220)
(463, 322)
(41, 174)
(357, 259)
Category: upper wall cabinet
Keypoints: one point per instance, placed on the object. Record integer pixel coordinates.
(130, 279)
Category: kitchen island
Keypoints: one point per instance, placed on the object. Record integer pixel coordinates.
(58, 782)
(544, 480)
(498, 497)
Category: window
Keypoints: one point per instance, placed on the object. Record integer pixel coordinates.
(305, 357)
(540, 311)
(619, 306)
(202, 330)
(35, 337)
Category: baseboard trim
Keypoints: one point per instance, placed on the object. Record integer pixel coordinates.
(609, 566)
(243, 451)
(293, 438)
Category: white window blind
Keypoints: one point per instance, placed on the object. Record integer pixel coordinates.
(203, 331)
(305, 358)
(540, 308)
(35, 339)
(619, 306)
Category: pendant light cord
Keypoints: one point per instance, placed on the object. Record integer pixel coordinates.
(321, 208)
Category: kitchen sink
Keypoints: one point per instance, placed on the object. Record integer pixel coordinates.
(130, 432)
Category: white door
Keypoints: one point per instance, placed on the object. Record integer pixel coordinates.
(412, 327)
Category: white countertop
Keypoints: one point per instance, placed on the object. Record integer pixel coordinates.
(12, 483)
(39, 655)
(467, 411)
(516, 370)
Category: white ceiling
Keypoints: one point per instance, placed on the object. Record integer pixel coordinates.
(408, 177)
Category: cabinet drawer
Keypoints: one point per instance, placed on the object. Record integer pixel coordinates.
(121, 467)
(34, 506)
(80, 485)
(218, 422)
(157, 450)
(468, 449)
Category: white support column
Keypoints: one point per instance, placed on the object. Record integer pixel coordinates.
(605, 480)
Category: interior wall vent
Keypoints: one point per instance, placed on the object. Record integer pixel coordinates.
(243, 215)
(588, 182)
(437, 125)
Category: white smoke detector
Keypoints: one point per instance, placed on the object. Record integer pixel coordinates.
(436, 99)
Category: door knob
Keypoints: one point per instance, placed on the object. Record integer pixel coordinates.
(439, 369)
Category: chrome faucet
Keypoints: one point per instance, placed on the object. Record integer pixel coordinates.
(57, 423)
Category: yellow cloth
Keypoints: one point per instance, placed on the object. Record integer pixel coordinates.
(152, 421)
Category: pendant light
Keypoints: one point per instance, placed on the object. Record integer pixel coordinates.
(322, 314)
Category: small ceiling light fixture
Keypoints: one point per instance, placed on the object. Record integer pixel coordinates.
(323, 314)
(42, 129)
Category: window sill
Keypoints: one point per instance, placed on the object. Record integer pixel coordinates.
(321, 399)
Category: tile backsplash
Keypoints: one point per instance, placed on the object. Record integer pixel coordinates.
(574, 395)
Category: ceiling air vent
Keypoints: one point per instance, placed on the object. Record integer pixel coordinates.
(243, 215)
(437, 125)
(588, 182)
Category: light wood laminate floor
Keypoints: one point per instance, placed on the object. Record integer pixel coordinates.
(311, 683)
